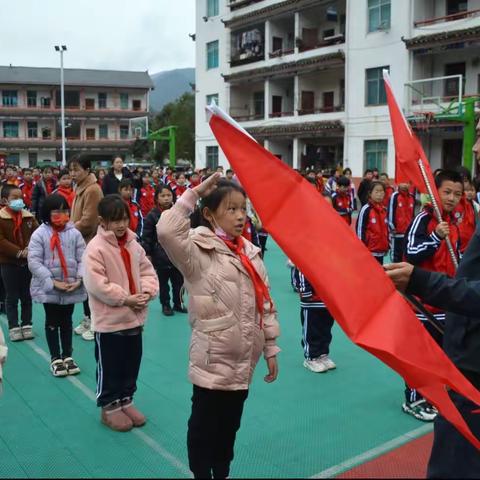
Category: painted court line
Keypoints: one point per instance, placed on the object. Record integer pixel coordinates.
(374, 452)
(90, 394)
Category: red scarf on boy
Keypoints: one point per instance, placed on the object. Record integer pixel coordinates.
(261, 290)
(55, 243)
(67, 193)
(127, 261)
(17, 218)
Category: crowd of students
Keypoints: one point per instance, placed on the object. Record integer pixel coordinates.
(115, 240)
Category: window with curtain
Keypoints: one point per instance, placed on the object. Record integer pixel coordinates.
(375, 154)
(103, 130)
(31, 98)
(32, 128)
(378, 15)
(375, 88)
(124, 101)
(212, 55)
(10, 129)
(102, 100)
(9, 98)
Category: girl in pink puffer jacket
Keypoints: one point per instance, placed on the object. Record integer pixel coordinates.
(231, 313)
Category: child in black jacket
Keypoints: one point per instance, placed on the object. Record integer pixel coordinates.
(166, 271)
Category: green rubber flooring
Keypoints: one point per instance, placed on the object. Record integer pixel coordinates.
(303, 425)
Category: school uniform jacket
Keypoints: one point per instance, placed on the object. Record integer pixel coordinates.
(136, 218)
(466, 217)
(27, 191)
(342, 203)
(308, 297)
(424, 248)
(372, 228)
(400, 212)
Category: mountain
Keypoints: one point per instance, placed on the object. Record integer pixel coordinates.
(170, 85)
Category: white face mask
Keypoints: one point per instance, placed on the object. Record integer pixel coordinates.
(219, 231)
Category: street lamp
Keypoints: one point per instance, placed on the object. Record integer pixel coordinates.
(62, 49)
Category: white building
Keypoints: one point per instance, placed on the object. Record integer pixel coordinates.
(99, 105)
(305, 76)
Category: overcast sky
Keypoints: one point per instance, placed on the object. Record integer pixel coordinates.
(107, 34)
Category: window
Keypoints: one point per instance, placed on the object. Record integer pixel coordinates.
(45, 102)
(212, 157)
(10, 129)
(123, 132)
(124, 101)
(89, 103)
(102, 100)
(259, 104)
(136, 105)
(376, 94)
(10, 98)
(103, 131)
(376, 154)
(32, 159)
(46, 133)
(212, 55)
(451, 86)
(212, 98)
(378, 15)
(31, 98)
(456, 6)
(90, 132)
(13, 159)
(32, 128)
(212, 8)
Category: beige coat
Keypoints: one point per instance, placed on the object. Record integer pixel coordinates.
(3, 355)
(84, 212)
(227, 340)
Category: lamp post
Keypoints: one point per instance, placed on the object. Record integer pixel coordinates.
(61, 49)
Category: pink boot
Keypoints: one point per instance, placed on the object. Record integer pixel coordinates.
(114, 418)
(138, 419)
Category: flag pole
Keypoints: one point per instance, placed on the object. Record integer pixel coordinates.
(436, 210)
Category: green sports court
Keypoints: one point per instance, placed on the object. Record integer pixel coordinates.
(303, 425)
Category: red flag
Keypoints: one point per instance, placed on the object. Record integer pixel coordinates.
(373, 314)
(408, 149)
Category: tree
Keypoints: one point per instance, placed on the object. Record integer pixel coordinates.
(181, 113)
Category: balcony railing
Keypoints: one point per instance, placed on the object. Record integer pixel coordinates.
(329, 109)
(236, 4)
(281, 53)
(448, 18)
(248, 117)
(325, 42)
(281, 114)
(56, 109)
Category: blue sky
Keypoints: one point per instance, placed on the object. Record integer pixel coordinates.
(107, 34)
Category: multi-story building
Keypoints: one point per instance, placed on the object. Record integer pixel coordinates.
(98, 107)
(304, 77)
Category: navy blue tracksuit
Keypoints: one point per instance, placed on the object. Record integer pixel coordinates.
(317, 322)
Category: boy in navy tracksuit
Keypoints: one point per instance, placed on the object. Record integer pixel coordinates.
(425, 247)
(400, 215)
(317, 325)
(342, 199)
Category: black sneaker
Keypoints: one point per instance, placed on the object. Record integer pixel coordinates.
(58, 368)
(180, 308)
(167, 311)
(71, 366)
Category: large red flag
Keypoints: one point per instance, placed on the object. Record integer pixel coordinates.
(352, 284)
(408, 149)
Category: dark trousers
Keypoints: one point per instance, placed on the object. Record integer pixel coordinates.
(2, 297)
(118, 357)
(16, 280)
(453, 456)
(262, 239)
(379, 259)
(165, 277)
(212, 428)
(58, 321)
(317, 323)
(396, 248)
(412, 395)
(86, 308)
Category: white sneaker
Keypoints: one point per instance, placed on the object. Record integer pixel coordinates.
(83, 326)
(327, 361)
(16, 334)
(315, 365)
(88, 335)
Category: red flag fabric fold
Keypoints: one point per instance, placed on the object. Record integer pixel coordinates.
(408, 149)
(372, 313)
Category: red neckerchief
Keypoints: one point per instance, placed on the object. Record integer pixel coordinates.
(55, 243)
(127, 262)
(17, 219)
(261, 290)
(68, 194)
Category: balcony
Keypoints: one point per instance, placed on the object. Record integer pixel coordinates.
(282, 35)
(281, 96)
(73, 112)
(248, 45)
(25, 142)
(247, 102)
(430, 13)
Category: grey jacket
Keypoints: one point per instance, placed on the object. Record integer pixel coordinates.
(45, 265)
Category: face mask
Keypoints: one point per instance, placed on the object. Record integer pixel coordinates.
(220, 232)
(59, 220)
(16, 205)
